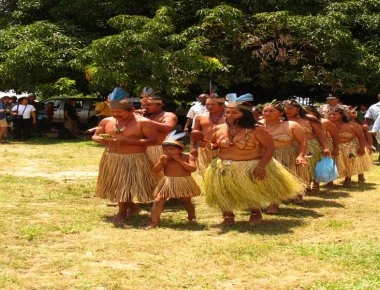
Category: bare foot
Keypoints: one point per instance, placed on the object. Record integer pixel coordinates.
(192, 220)
(119, 219)
(298, 199)
(329, 184)
(227, 221)
(347, 182)
(133, 210)
(315, 188)
(151, 226)
(255, 218)
(361, 178)
(272, 209)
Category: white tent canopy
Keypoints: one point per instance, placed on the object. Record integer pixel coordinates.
(12, 93)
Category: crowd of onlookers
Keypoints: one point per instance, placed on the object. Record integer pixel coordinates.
(25, 117)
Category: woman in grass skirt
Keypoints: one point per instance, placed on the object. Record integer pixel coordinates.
(351, 158)
(244, 176)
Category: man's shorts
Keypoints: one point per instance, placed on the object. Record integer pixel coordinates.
(3, 123)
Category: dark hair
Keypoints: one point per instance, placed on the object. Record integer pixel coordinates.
(301, 111)
(342, 113)
(314, 110)
(164, 144)
(247, 120)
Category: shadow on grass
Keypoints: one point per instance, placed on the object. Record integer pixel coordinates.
(141, 220)
(331, 194)
(266, 227)
(298, 212)
(319, 203)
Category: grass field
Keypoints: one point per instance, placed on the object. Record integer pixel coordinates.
(55, 235)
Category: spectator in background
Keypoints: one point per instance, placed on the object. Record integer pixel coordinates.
(372, 119)
(23, 126)
(8, 107)
(332, 103)
(372, 113)
(3, 121)
(13, 101)
(71, 119)
(38, 127)
(181, 113)
(49, 112)
(361, 113)
(197, 109)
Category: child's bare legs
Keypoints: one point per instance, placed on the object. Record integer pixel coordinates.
(157, 209)
(189, 207)
(121, 215)
(256, 216)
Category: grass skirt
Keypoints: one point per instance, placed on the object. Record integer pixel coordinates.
(286, 156)
(126, 177)
(313, 155)
(230, 185)
(155, 152)
(205, 157)
(354, 165)
(365, 162)
(347, 161)
(177, 187)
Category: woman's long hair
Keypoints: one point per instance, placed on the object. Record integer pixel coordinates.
(314, 111)
(301, 111)
(247, 120)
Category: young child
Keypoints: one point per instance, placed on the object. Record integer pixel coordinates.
(177, 181)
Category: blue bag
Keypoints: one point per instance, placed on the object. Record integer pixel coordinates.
(325, 170)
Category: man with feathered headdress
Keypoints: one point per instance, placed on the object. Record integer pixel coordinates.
(125, 170)
(165, 122)
(203, 129)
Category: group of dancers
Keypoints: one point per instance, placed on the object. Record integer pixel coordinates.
(240, 158)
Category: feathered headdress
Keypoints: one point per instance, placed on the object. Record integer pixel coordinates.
(118, 94)
(146, 96)
(233, 100)
(172, 139)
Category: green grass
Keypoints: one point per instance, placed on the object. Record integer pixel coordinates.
(56, 235)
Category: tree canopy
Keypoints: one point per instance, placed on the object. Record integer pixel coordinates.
(274, 48)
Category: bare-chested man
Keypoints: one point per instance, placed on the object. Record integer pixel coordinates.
(165, 122)
(125, 171)
(202, 131)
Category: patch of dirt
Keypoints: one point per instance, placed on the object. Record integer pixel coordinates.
(65, 176)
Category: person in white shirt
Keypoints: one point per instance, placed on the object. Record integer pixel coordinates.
(372, 113)
(372, 119)
(198, 108)
(23, 126)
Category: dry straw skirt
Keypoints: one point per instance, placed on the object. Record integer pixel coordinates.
(155, 152)
(176, 187)
(286, 156)
(313, 154)
(126, 177)
(229, 185)
(349, 163)
(205, 157)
